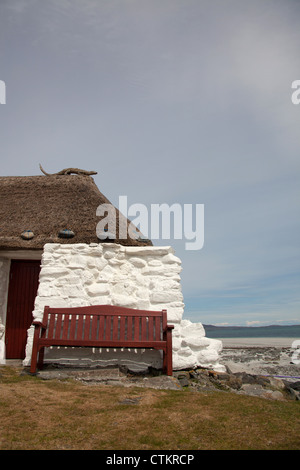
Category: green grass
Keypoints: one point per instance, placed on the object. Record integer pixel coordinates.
(37, 414)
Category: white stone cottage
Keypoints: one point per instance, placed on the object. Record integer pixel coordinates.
(50, 255)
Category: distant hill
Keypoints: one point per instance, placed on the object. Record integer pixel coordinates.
(271, 331)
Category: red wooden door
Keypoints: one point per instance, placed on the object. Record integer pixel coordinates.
(22, 290)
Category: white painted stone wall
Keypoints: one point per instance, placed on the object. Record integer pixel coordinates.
(136, 277)
(4, 278)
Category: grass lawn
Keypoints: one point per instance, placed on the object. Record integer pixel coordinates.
(42, 415)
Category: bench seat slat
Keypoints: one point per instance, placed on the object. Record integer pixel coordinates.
(102, 344)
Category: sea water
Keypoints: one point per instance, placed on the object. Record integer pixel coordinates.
(272, 331)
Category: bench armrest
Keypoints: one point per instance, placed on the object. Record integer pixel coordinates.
(38, 323)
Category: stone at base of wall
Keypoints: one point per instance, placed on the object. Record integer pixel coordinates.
(191, 348)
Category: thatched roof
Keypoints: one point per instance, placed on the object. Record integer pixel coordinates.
(46, 205)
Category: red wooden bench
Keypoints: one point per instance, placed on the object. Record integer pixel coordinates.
(105, 326)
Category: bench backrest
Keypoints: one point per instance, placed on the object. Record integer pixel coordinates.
(104, 323)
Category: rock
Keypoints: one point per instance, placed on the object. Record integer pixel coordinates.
(276, 395)
(252, 389)
(245, 378)
(295, 385)
(277, 383)
(206, 379)
(264, 381)
(130, 401)
(183, 378)
(161, 382)
(292, 393)
(257, 390)
(230, 381)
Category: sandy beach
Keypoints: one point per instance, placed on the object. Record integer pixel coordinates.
(261, 356)
(258, 342)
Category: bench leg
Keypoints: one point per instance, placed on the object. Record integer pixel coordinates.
(37, 360)
(35, 350)
(41, 358)
(167, 365)
(33, 360)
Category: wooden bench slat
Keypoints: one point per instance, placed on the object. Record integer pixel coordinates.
(129, 329)
(50, 329)
(157, 336)
(136, 328)
(101, 329)
(80, 327)
(94, 327)
(73, 327)
(144, 336)
(115, 328)
(108, 328)
(122, 328)
(65, 329)
(87, 322)
(58, 326)
(151, 328)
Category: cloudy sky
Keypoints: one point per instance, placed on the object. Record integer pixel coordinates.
(172, 101)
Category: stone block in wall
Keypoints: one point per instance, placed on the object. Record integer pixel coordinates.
(97, 290)
(124, 287)
(138, 262)
(109, 254)
(53, 301)
(142, 293)
(165, 297)
(53, 272)
(170, 258)
(189, 329)
(148, 250)
(207, 357)
(124, 301)
(196, 342)
(96, 263)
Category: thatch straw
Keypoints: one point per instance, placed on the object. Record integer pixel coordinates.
(47, 205)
